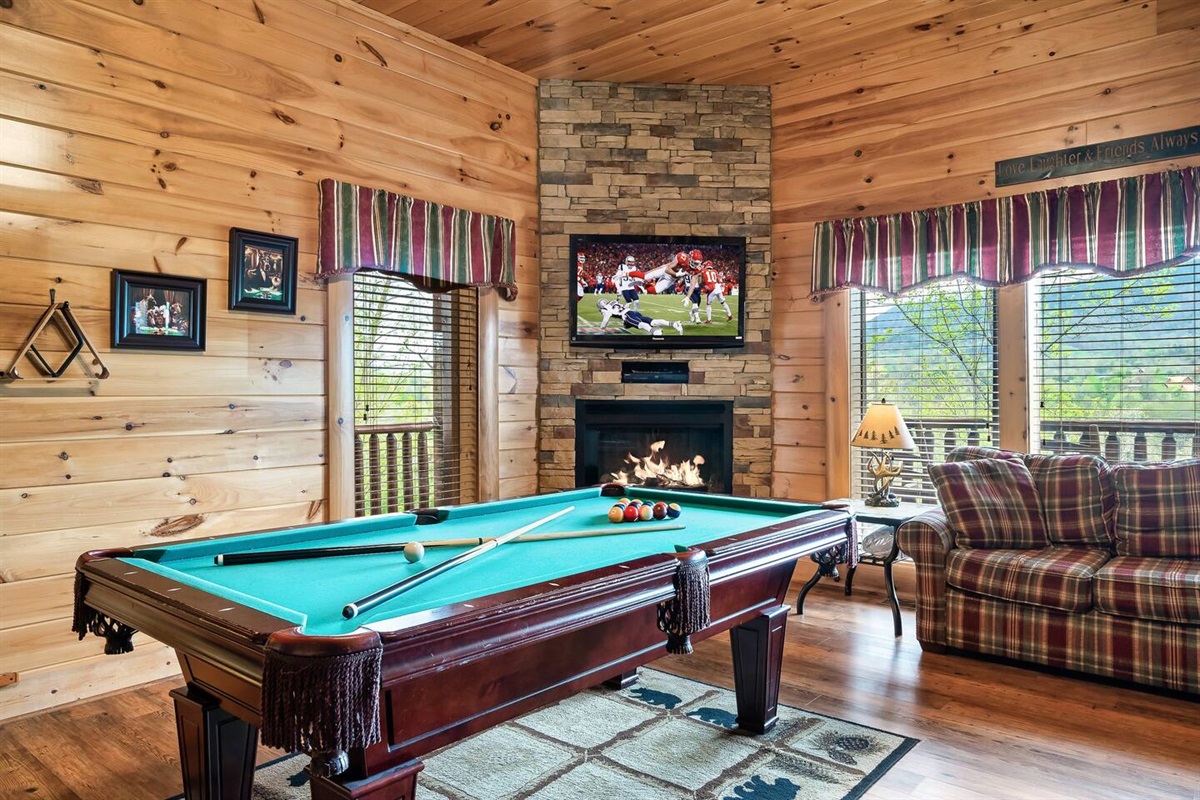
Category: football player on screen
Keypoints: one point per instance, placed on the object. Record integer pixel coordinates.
(692, 297)
(659, 279)
(629, 280)
(633, 319)
(714, 287)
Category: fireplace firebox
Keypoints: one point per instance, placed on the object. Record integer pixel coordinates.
(677, 444)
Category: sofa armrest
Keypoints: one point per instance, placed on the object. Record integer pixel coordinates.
(928, 540)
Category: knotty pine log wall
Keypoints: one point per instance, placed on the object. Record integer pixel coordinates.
(134, 135)
(869, 137)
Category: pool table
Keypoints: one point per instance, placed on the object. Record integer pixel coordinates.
(527, 624)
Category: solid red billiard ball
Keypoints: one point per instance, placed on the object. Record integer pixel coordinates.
(660, 510)
(616, 513)
(673, 510)
(631, 513)
(646, 513)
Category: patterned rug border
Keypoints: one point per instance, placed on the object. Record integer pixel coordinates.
(864, 784)
(871, 777)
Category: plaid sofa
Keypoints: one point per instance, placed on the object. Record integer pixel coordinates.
(1064, 561)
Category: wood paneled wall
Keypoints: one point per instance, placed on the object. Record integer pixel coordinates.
(133, 136)
(918, 122)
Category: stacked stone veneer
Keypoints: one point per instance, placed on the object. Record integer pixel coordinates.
(666, 160)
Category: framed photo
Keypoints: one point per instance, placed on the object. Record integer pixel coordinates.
(262, 272)
(159, 312)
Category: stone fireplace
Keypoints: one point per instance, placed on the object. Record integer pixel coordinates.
(666, 160)
(684, 444)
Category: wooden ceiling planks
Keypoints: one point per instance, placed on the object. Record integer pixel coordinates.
(797, 42)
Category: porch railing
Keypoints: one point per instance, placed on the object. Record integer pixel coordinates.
(1116, 440)
(393, 467)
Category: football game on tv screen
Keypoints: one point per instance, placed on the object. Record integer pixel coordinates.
(657, 292)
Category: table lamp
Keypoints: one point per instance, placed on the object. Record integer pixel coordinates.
(883, 429)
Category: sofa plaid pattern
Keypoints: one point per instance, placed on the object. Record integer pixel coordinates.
(1077, 498)
(974, 452)
(1150, 588)
(1158, 509)
(990, 503)
(1055, 577)
(928, 540)
(1126, 648)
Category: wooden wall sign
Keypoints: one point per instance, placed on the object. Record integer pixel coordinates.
(1095, 157)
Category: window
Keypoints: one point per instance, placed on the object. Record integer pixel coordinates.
(932, 352)
(415, 395)
(1117, 363)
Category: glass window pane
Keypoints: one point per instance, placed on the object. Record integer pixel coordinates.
(1117, 363)
(932, 352)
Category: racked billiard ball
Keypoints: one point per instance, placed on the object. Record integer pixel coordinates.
(660, 510)
(616, 513)
(673, 510)
(631, 513)
(646, 513)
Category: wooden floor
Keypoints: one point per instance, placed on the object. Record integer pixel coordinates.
(987, 731)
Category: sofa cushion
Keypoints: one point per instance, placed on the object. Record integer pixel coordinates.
(990, 502)
(973, 452)
(1158, 509)
(1166, 589)
(1054, 577)
(1077, 498)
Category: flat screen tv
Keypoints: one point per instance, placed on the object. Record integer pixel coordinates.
(657, 292)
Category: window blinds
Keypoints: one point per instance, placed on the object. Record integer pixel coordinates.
(1118, 363)
(415, 395)
(932, 352)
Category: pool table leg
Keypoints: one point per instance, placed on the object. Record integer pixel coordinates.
(622, 681)
(757, 661)
(397, 783)
(216, 749)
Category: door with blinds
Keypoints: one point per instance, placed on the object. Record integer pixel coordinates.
(415, 395)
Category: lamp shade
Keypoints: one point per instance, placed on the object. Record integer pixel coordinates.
(883, 427)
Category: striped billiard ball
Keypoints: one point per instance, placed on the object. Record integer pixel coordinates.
(673, 510)
(646, 513)
(616, 513)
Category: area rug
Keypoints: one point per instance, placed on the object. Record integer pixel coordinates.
(664, 738)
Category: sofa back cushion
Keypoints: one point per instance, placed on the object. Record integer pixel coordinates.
(974, 452)
(990, 503)
(1077, 498)
(1158, 509)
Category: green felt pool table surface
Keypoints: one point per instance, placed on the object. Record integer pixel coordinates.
(312, 593)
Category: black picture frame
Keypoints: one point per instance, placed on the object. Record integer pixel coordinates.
(262, 272)
(151, 311)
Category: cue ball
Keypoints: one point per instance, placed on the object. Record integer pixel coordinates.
(631, 513)
(646, 513)
(616, 513)
(673, 510)
(414, 552)
(660, 510)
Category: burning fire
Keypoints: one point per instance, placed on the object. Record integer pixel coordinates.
(657, 470)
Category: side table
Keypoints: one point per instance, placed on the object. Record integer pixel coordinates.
(893, 518)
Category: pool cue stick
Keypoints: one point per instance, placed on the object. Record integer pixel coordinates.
(352, 610)
(270, 556)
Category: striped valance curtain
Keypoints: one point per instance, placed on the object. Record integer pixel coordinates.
(436, 247)
(1120, 227)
